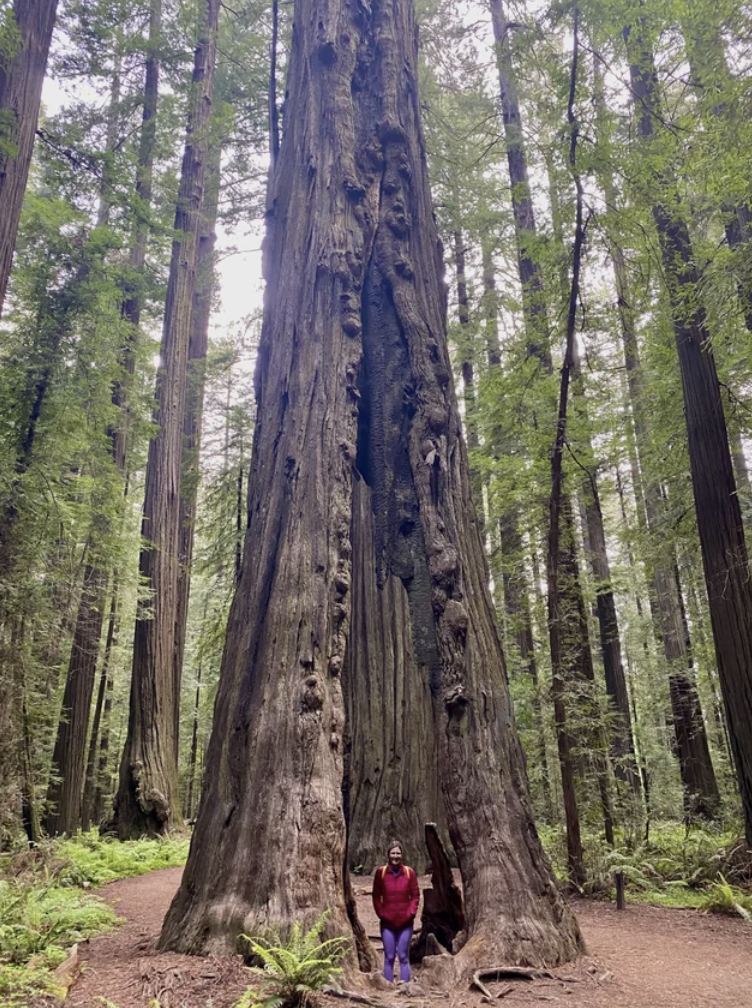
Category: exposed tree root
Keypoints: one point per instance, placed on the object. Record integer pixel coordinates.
(348, 995)
(507, 973)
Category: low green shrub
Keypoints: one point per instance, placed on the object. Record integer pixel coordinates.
(96, 860)
(293, 971)
(43, 910)
(39, 921)
(723, 898)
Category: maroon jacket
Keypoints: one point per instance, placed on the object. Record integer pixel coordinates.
(395, 897)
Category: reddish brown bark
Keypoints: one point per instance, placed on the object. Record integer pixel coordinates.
(565, 606)
(198, 346)
(65, 791)
(147, 798)
(699, 785)
(20, 96)
(719, 522)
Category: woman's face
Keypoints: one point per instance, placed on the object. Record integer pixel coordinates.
(395, 856)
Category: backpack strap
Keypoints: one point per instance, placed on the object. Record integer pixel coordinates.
(409, 872)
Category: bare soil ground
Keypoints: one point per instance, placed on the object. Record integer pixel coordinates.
(644, 957)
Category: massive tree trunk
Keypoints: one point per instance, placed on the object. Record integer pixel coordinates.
(147, 799)
(353, 374)
(20, 95)
(392, 772)
(719, 521)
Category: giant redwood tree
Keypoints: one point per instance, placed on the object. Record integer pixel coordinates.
(147, 799)
(719, 520)
(356, 403)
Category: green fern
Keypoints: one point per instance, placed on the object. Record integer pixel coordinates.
(293, 971)
(724, 899)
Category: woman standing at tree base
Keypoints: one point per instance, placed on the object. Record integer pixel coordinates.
(395, 900)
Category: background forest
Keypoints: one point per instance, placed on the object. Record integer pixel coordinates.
(591, 179)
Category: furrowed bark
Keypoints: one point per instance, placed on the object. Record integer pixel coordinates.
(65, 791)
(719, 522)
(68, 759)
(131, 309)
(198, 346)
(87, 802)
(20, 96)
(147, 800)
(353, 369)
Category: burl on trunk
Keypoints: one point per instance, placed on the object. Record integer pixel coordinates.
(357, 406)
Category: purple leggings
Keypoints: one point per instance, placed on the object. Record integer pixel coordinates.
(396, 943)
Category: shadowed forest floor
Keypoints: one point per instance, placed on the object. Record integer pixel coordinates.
(645, 957)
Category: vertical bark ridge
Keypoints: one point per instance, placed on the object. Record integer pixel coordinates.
(147, 799)
(20, 96)
(719, 521)
(699, 786)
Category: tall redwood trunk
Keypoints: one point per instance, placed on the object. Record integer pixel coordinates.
(198, 346)
(147, 800)
(719, 521)
(65, 791)
(353, 373)
(20, 96)
(699, 786)
(68, 759)
(133, 293)
(566, 606)
(87, 801)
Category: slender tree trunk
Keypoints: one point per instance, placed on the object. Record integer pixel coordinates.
(147, 799)
(20, 96)
(103, 785)
(193, 758)
(533, 297)
(133, 293)
(538, 331)
(192, 420)
(719, 522)
(64, 794)
(87, 802)
(594, 540)
(68, 759)
(518, 614)
(353, 371)
(490, 308)
(700, 789)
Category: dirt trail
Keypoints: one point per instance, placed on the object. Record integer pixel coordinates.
(644, 957)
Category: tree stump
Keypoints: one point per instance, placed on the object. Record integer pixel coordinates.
(443, 916)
